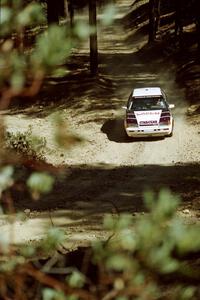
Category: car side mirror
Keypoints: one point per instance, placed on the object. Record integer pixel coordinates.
(171, 105)
(124, 107)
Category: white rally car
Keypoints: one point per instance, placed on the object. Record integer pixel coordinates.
(148, 113)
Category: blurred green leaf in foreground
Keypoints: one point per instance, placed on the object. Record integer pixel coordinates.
(151, 250)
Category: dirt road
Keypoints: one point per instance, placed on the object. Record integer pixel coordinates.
(108, 173)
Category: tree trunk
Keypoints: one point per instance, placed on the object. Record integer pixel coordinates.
(157, 16)
(53, 11)
(154, 19)
(178, 19)
(71, 12)
(151, 20)
(197, 21)
(198, 34)
(93, 38)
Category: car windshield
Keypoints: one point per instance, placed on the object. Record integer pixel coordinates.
(147, 103)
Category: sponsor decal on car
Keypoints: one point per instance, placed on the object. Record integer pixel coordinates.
(152, 122)
(146, 113)
(148, 118)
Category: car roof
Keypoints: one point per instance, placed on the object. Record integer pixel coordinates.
(147, 91)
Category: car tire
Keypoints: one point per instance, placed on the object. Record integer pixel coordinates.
(126, 137)
(171, 134)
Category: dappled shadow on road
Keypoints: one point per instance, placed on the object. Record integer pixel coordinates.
(98, 189)
(79, 92)
(125, 61)
(118, 74)
(136, 16)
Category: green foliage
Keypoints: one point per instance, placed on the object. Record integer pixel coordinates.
(50, 52)
(52, 48)
(63, 137)
(161, 209)
(14, 16)
(82, 30)
(76, 279)
(9, 265)
(140, 260)
(13, 65)
(51, 294)
(32, 14)
(20, 67)
(28, 251)
(185, 236)
(54, 238)
(40, 183)
(26, 143)
(6, 178)
(109, 14)
(148, 249)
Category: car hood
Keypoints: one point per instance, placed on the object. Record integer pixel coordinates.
(148, 117)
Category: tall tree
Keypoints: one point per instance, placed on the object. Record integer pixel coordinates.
(93, 37)
(55, 9)
(157, 15)
(178, 18)
(71, 12)
(154, 18)
(197, 21)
